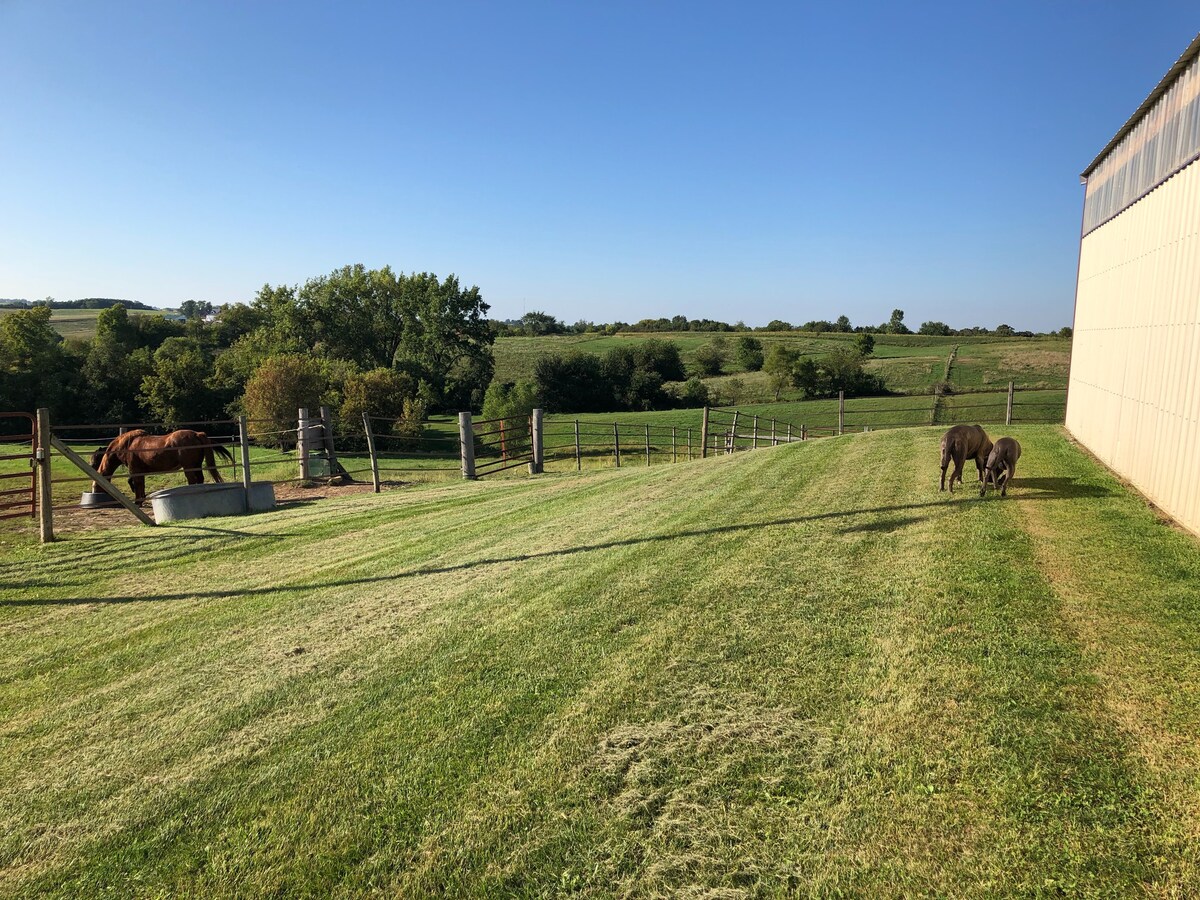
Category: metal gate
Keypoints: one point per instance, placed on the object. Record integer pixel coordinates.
(18, 489)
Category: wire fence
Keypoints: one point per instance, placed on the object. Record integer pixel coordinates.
(325, 449)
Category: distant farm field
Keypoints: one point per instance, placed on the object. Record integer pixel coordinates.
(788, 672)
(909, 364)
(76, 323)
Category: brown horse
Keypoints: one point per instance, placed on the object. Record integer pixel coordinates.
(143, 453)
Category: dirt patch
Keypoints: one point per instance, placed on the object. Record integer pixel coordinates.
(75, 520)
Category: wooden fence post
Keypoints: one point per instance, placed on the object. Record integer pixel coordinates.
(1009, 409)
(689, 444)
(674, 455)
(647, 445)
(756, 431)
(578, 455)
(466, 445)
(803, 432)
(370, 432)
(335, 467)
(731, 444)
(617, 444)
(244, 448)
(45, 486)
(703, 435)
(841, 412)
(302, 442)
(774, 438)
(539, 451)
(789, 432)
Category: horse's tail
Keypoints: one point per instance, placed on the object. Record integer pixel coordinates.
(210, 461)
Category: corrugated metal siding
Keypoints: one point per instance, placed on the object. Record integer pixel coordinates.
(1166, 139)
(1135, 360)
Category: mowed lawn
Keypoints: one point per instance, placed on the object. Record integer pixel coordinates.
(799, 670)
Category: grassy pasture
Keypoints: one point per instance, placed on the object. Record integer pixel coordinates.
(785, 672)
(910, 364)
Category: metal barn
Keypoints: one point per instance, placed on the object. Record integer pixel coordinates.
(1134, 395)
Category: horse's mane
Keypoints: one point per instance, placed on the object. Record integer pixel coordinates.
(122, 442)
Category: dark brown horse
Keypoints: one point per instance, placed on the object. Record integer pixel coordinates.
(144, 454)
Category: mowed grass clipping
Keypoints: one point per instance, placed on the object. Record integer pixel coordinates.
(798, 670)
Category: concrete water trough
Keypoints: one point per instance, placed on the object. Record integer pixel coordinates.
(197, 501)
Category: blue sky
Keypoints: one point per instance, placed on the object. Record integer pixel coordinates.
(595, 160)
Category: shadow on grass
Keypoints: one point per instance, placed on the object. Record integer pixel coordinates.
(1029, 490)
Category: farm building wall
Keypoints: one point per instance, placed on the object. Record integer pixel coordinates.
(1134, 394)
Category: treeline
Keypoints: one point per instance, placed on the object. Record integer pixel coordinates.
(85, 303)
(360, 340)
(537, 324)
(652, 375)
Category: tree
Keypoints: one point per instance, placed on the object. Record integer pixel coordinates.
(379, 393)
(779, 325)
(661, 357)
(431, 328)
(280, 386)
(779, 365)
(865, 343)
(573, 382)
(178, 390)
(536, 324)
(749, 353)
(694, 393)
(896, 323)
(1066, 331)
(709, 359)
(934, 328)
(36, 368)
(1004, 331)
(115, 367)
(842, 325)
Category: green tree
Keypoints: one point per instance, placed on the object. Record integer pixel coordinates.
(535, 324)
(934, 328)
(177, 390)
(694, 394)
(842, 325)
(279, 387)
(780, 364)
(709, 359)
(865, 344)
(115, 367)
(896, 323)
(749, 353)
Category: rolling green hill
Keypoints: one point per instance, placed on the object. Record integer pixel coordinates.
(793, 671)
(910, 364)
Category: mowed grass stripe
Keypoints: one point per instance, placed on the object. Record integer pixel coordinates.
(796, 670)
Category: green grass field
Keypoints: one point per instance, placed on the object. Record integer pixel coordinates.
(76, 323)
(788, 672)
(909, 364)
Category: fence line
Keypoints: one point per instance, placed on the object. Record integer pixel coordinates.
(319, 447)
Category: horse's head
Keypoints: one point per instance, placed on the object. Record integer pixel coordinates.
(105, 463)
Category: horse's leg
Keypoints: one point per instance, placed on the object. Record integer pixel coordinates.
(194, 474)
(138, 484)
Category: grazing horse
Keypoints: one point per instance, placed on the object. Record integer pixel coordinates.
(1001, 465)
(143, 453)
(960, 443)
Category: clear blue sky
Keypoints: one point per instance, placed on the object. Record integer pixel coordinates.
(602, 160)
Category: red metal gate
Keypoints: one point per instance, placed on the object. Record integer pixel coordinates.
(17, 499)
